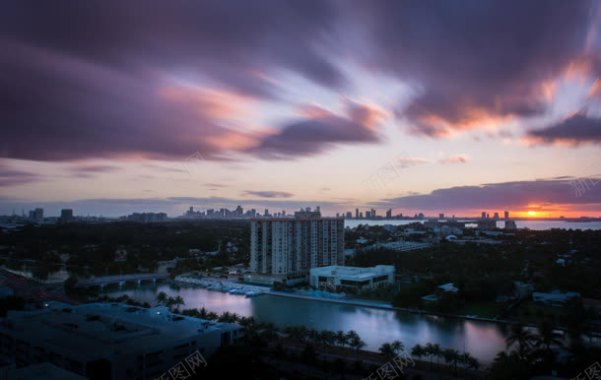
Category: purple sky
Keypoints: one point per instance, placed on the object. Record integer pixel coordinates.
(112, 107)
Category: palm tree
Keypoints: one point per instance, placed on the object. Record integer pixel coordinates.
(341, 338)
(245, 321)
(250, 327)
(329, 337)
(522, 337)
(437, 352)
(228, 317)
(169, 302)
(397, 347)
(178, 301)
(303, 333)
(432, 350)
(355, 340)
(387, 351)
(547, 337)
(294, 333)
(203, 313)
(418, 351)
(161, 298)
(269, 331)
(451, 356)
(472, 363)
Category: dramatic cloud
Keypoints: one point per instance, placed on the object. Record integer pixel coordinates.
(11, 177)
(577, 129)
(321, 130)
(62, 108)
(475, 62)
(89, 80)
(507, 195)
(149, 79)
(269, 194)
(232, 41)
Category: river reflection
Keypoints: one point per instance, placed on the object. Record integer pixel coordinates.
(375, 326)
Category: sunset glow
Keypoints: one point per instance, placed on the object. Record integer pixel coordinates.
(290, 101)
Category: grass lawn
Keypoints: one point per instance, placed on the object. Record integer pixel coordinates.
(481, 309)
(535, 313)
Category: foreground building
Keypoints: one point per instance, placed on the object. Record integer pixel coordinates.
(351, 278)
(111, 341)
(285, 248)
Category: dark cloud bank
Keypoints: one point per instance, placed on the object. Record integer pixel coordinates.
(82, 79)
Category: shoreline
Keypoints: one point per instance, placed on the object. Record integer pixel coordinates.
(385, 306)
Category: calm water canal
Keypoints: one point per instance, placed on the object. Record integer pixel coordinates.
(482, 339)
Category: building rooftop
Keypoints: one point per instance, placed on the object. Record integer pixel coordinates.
(352, 272)
(449, 287)
(105, 328)
(554, 296)
(42, 371)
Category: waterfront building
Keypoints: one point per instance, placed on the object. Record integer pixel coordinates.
(287, 247)
(336, 277)
(110, 340)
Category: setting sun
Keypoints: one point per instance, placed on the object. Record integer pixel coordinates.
(531, 213)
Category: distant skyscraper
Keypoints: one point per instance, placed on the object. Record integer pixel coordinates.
(506, 214)
(357, 213)
(510, 225)
(66, 214)
(441, 215)
(496, 216)
(389, 213)
(292, 246)
(37, 214)
(483, 214)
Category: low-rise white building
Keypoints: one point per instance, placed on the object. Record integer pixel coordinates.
(448, 288)
(110, 340)
(555, 298)
(340, 277)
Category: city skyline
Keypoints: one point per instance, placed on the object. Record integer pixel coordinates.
(39, 214)
(341, 104)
